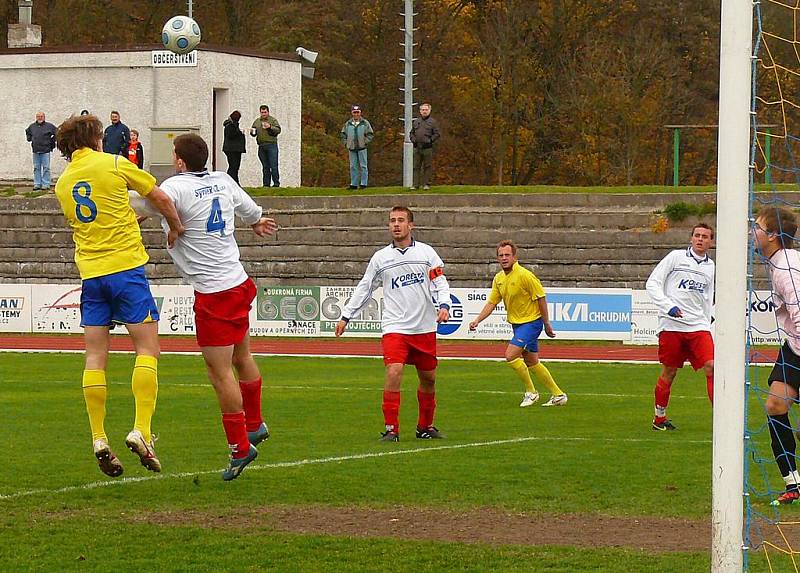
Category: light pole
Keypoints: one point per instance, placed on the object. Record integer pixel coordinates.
(408, 91)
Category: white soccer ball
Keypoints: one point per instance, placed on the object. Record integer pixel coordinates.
(180, 34)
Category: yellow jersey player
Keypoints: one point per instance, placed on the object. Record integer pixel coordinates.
(525, 303)
(93, 193)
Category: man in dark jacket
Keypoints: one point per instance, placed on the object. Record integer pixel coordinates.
(424, 133)
(233, 144)
(116, 137)
(42, 136)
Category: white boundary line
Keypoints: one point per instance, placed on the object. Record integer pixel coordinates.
(197, 353)
(327, 460)
(378, 388)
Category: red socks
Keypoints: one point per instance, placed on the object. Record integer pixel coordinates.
(251, 397)
(391, 410)
(236, 432)
(427, 406)
(710, 388)
(662, 399)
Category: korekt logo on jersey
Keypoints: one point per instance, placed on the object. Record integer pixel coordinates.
(456, 317)
(408, 279)
(691, 284)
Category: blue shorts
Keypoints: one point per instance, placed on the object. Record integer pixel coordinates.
(526, 335)
(122, 298)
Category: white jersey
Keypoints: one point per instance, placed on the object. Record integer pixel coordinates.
(414, 288)
(684, 280)
(207, 254)
(784, 273)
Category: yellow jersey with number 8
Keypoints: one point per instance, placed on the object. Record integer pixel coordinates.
(93, 193)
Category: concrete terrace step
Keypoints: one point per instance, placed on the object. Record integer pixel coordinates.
(569, 239)
(454, 218)
(420, 201)
(378, 236)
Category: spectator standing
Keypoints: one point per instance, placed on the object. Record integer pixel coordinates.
(357, 134)
(135, 150)
(233, 144)
(42, 136)
(424, 134)
(416, 298)
(266, 129)
(116, 137)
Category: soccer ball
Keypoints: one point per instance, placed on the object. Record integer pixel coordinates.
(180, 35)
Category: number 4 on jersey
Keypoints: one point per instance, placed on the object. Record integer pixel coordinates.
(215, 221)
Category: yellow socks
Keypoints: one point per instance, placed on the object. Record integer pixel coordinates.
(94, 393)
(145, 389)
(519, 366)
(543, 375)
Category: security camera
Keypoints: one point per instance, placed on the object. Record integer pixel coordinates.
(307, 55)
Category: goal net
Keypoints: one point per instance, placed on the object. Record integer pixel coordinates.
(772, 529)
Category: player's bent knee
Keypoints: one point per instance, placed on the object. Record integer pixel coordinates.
(776, 405)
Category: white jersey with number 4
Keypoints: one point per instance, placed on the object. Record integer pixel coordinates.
(207, 202)
(684, 280)
(414, 288)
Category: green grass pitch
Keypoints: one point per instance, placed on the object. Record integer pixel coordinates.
(596, 457)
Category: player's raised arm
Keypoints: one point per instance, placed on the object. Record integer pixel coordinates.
(166, 207)
(251, 212)
(264, 226)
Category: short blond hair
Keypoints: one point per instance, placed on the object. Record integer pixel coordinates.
(507, 243)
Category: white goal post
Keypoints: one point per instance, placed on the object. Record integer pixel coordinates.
(733, 180)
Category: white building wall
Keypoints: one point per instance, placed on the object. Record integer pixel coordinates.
(147, 97)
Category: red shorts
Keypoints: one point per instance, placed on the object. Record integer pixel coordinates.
(675, 348)
(223, 318)
(416, 349)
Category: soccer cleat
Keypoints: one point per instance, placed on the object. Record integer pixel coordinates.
(257, 436)
(236, 465)
(147, 455)
(529, 399)
(429, 433)
(426, 187)
(390, 436)
(108, 462)
(664, 426)
(556, 400)
(787, 498)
